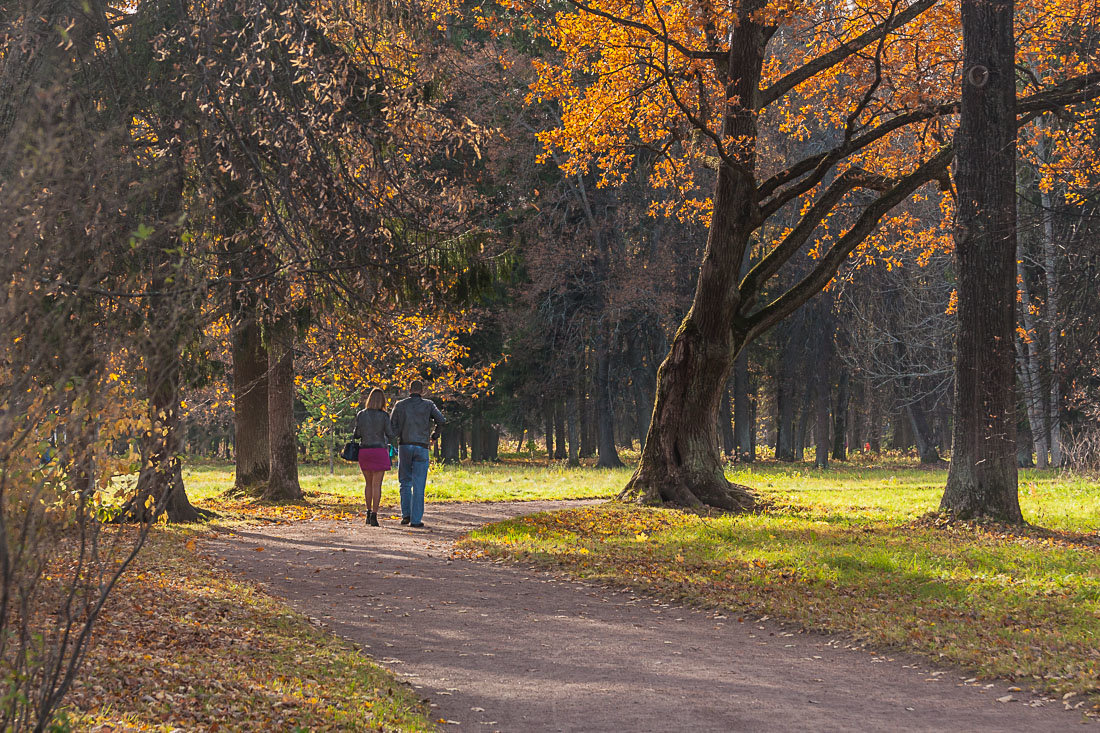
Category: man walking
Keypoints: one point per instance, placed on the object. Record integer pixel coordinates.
(411, 419)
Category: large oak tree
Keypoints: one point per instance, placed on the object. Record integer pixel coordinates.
(701, 84)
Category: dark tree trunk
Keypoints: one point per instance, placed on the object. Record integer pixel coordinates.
(643, 386)
(902, 438)
(743, 411)
(784, 421)
(586, 415)
(490, 441)
(161, 478)
(282, 482)
(448, 439)
(560, 451)
(922, 434)
(805, 418)
(605, 415)
(477, 450)
(874, 422)
(856, 417)
(463, 453)
(840, 417)
(548, 425)
(786, 391)
(573, 429)
(821, 380)
(250, 422)
(982, 479)
(1024, 442)
(725, 424)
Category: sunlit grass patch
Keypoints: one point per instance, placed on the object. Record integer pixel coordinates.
(185, 646)
(1023, 606)
(855, 493)
(339, 495)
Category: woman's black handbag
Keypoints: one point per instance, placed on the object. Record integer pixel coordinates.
(350, 451)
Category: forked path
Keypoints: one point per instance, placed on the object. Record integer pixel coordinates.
(508, 648)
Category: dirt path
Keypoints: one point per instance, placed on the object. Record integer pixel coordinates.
(502, 647)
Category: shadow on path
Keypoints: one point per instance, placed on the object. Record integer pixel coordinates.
(508, 648)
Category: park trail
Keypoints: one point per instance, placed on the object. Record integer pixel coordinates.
(500, 647)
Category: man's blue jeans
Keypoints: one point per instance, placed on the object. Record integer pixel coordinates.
(412, 475)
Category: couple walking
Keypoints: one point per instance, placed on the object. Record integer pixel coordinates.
(409, 427)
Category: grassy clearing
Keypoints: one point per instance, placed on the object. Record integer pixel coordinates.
(184, 646)
(844, 551)
(340, 495)
(902, 492)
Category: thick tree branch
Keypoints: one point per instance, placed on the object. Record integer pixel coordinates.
(769, 265)
(840, 53)
(826, 267)
(821, 163)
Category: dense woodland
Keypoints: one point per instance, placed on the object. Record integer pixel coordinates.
(782, 231)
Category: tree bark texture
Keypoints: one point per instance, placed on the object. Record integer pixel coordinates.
(725, 424)
(250, 422)
(448, 439)
(982, 479)
(161, 477)
(923, 434)
(282, 482)
(786, 391)
(840, 417)
(584, 414)
(1029, 371)
(805, 418)
(560, 451)
(548, 428)
(821, 399)
(477, 449)
(1054, 330)
(874, 423)
(743, 412)
(605, 413)
(573, 430)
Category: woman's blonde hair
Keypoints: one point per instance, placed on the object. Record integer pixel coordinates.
(376, 400)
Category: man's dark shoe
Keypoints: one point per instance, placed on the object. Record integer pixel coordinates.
(405, 520)
(417, 525)
(372, 520)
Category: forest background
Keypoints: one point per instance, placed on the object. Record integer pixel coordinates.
(226, 221)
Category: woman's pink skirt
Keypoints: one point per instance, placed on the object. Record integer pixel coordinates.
(374, 459)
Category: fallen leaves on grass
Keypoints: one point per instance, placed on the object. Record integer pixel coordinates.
(317, 505)
(183, 645)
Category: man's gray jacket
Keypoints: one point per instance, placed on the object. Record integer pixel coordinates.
(412, 418)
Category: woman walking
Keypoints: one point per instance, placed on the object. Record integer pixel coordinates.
(375, 433)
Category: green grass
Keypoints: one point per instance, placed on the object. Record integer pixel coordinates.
(341, 493)
(845, 550)
(854, 493)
